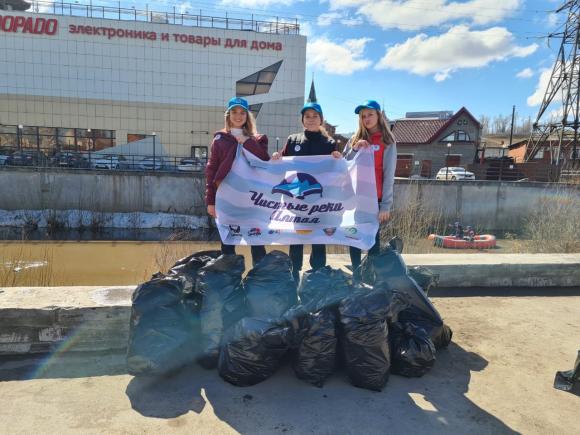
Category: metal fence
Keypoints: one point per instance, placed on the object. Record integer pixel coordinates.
(71, 160)
(277, 25)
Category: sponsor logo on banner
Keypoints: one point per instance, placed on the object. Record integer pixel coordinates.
(299, 186)
(303, 232)
(235, 231)
(330, 231)
(351, 233)
(255, 232)
(274, 232)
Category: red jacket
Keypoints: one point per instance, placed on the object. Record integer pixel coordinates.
(376, 141)
(221, 158)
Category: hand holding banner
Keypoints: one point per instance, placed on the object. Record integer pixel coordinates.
(299, 200)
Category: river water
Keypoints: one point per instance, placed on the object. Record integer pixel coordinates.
(66, 263)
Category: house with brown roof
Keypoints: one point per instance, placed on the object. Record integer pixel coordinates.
(429, 141)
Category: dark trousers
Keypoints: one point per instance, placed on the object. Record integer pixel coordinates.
(355, 253)
(317, 257)
(258, 252)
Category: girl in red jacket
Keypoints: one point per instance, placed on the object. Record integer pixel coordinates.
(373, 131)
(240, 128)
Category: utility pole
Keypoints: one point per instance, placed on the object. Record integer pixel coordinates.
(562, 96)
(512, 129)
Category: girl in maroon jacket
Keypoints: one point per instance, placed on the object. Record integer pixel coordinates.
(240, 128)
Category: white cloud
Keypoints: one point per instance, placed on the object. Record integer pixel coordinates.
(536, 98)
(256, 3)
(552, 20)
(44, 7)
(329, 18)
(459, 48)
(418, 14)
(338, 58)
(306, 29)
(526, 73)
(184, 7)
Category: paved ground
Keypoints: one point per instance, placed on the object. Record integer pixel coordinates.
(495, 378)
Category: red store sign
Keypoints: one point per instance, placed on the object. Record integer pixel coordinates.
(44, 26)
(36, 26)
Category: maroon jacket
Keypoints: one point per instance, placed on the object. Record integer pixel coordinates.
(222, 153)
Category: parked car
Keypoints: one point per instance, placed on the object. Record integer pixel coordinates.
(454, 173)
(26, 158)
(148, 163)
(190, 165)
(110, 161)
(5, 154)
(70, 160)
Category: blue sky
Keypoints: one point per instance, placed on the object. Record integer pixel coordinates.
(414, 55)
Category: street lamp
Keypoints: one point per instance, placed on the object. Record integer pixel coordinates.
(154, 136)
(90, 132)
(447, 161)
(20, 127)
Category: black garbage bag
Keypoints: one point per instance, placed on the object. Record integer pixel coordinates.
(324, 287)
(439, 333)
(269, 286)
(161, 338)
(252, 350)
(569, 380)
(190, 265)
(223, 303)
(412, 351)
(388, 271)
(315, 356)
(364, 338)
(425, 277)
(187, 268)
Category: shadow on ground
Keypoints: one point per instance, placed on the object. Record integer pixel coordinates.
(62, 365)
(507, 292)
(435, 403)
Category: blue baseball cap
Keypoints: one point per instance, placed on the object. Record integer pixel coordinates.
(312, 106)
(368, 104)
(238, 102)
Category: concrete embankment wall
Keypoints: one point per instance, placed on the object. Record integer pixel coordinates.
(488, 205)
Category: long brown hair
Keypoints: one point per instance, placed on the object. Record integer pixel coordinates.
(363, 134)
(249, 127)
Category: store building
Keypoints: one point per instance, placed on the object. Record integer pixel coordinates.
(113, 76)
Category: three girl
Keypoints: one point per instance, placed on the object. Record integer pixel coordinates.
(373, 131)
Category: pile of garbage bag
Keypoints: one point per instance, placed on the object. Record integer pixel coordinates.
(203, 311)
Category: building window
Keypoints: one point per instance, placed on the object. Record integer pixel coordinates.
(8, 136)
(199, 154)
(255, 109)
(103, 139)
(259, 82)
(52, 139)
(457, 136)
(134, 137)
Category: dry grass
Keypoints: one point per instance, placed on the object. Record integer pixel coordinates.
(413, 222)
(554, 225)
(23, 267)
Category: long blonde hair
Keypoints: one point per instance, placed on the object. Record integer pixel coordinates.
(363, 134)
(249, 127)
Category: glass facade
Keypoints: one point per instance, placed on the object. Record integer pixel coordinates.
(53, 139)
(259, 82)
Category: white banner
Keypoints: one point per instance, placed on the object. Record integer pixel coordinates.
(299, 200)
